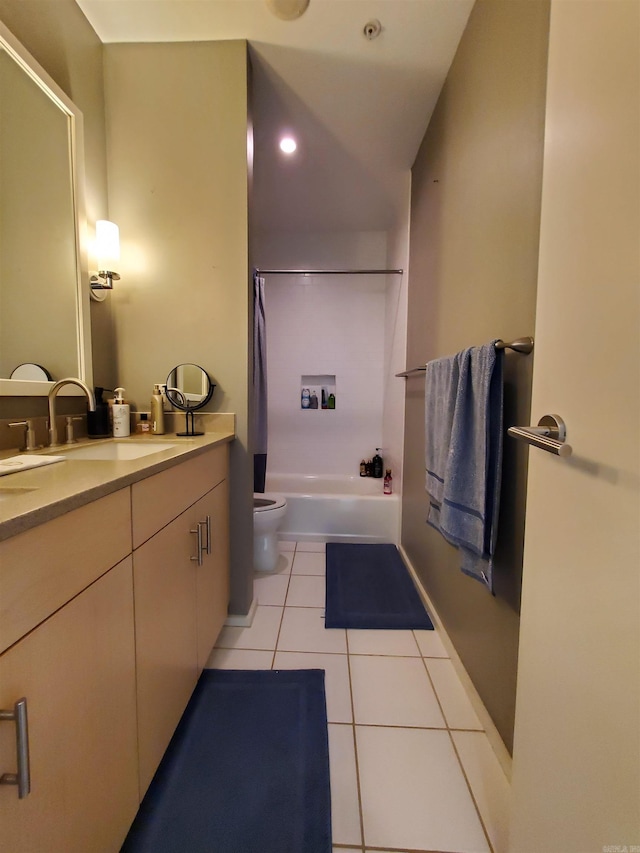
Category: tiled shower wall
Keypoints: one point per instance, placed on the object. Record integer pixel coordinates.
(325, 325)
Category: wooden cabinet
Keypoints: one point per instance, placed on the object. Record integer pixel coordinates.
(77, 673)
(180, 600)
(105, 625)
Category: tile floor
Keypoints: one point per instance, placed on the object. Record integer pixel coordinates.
(411, 768)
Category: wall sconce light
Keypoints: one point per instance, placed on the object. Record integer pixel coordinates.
(107, 249)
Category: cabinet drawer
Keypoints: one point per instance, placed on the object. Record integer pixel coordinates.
(43, 568)
(159, 499)
(77, 673)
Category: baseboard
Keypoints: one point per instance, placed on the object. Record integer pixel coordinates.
(242, 620)
(497, 744)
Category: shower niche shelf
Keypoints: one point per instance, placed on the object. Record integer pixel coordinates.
(317, 391)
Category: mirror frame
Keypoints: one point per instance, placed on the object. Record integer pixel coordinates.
(25, 388)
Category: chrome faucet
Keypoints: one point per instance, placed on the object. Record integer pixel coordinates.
(53, 432)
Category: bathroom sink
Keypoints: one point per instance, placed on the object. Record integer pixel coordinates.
(117, 450)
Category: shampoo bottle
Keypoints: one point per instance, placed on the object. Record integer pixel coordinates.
(377, 464)
(388, 488)
(121, 415)
(157, 411)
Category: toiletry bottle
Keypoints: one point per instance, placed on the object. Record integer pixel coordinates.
(121, 415)
(369, 468)
(157, 411)
(144, 424)
(377, 465)
(363, 469)
(306, 400)
(387, 490)
(331, 401)
(313, 400)
(323, 398)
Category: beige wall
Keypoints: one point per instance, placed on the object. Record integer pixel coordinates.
(178, 184)
(576, 774)
(472, 277)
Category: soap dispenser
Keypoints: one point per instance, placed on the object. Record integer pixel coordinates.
(98, 424)
(121, 415)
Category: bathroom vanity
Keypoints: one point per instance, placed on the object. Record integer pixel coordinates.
(114, 584)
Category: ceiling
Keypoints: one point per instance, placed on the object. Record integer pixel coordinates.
(358, 107)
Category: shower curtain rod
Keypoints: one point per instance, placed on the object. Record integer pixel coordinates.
(328, 272)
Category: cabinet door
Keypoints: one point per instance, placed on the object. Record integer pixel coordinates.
(166, 646)
(77, 673)
(213, 574)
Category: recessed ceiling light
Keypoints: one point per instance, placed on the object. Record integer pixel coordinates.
(288, 144)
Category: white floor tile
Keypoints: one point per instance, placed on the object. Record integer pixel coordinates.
(239, 659)
(303, 631)
(336, 679)
(262, 634)
(489, 785)
(318, 547)
(396, 643)
(393, 691)
(457, 707)
(271, 589)
(414, 794)
(430, 644)
(285, 545)
(345, 811)
(309, 563)
(306, 591)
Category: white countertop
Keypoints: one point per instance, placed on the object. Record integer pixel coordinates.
(31, 497)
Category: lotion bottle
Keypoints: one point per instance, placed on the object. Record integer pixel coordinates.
(157, 411)
(121, 415)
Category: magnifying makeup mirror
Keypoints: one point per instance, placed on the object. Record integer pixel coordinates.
(189, 388)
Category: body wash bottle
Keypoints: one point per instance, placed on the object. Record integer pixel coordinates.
(121, 415)
(157, 411)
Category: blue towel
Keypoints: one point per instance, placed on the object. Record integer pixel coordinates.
(463, 453)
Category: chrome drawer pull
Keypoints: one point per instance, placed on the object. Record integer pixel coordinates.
(198, 531)
(23, 777)
(208, 523)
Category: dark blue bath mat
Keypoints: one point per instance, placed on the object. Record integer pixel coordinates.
(247, 770)
(368, 586)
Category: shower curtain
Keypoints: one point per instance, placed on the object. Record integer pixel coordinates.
(259, 386)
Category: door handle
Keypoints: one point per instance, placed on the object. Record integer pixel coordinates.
(23, 777)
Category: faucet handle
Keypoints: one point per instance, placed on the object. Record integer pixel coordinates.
(29, 441)
(22, 424)
(71, 439)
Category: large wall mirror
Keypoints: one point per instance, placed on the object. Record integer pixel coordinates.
(44, 292)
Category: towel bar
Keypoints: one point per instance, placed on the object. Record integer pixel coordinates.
(549, 435)
(522, 345)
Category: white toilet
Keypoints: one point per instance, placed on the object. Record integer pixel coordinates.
(268, 512)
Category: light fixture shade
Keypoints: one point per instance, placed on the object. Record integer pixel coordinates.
(287, 10)
(107, 244)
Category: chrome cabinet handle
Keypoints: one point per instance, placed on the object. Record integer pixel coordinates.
(208, 524)
(198, 531)
(23, 777)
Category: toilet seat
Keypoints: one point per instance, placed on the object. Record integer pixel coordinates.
(265, 502)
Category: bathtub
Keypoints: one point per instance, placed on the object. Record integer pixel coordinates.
(325, 508)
